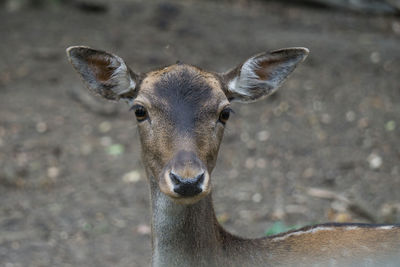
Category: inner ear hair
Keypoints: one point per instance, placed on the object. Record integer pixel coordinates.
(262, 74)
(104, 74)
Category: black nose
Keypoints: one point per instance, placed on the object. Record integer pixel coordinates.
(187, 187)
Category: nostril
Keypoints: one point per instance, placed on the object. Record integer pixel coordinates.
(199, 179)
(176, 180)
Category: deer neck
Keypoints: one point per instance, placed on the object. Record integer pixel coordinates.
(180, 230)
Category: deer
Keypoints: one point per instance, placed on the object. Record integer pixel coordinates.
(181, 112)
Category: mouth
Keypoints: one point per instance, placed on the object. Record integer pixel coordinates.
(188, 200)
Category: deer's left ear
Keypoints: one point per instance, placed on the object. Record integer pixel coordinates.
(262, 74)
(104, 74)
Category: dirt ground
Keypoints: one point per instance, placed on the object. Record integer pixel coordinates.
(326, 147)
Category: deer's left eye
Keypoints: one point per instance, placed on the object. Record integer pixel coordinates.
(140, 112)
(224, 115)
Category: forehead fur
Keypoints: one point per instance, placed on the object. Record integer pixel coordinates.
(184, 78)
(183, 92)
(181, 84)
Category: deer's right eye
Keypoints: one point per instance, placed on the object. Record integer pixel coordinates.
(224, 115)
(140, 112)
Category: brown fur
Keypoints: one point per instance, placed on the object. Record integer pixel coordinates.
(100, 67)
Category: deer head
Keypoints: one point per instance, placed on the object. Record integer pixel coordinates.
(181, 110)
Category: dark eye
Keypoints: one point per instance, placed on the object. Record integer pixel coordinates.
(224, 115)
(140, 112)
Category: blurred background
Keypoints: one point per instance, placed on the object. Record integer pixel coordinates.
(326, 147)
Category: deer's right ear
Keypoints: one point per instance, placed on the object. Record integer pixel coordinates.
(104, 73)
(262, 74)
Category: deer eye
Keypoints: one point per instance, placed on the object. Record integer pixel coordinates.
(224, 115)
(140, 112)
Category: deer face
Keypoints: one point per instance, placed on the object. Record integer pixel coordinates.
(181, 110)
(181, 113)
